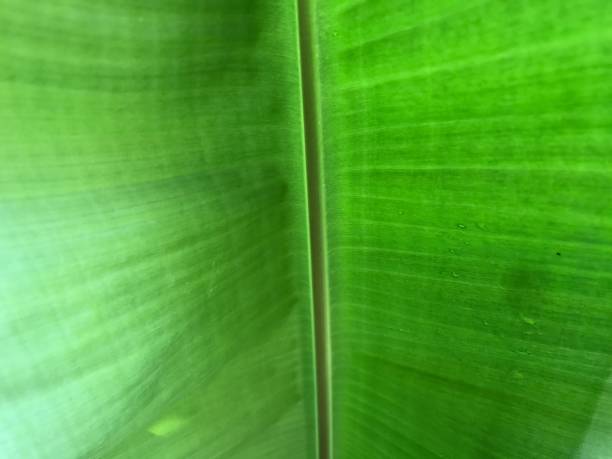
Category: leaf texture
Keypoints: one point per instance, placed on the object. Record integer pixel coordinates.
(154, 277)
(157, 267)
(467, 161)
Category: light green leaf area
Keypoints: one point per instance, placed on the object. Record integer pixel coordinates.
(154, 265)
(155, 260)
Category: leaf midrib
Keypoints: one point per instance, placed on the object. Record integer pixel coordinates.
(311, 125)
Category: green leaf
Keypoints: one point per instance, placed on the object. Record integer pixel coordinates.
(277, 229)
(154, 255)
(469, 179)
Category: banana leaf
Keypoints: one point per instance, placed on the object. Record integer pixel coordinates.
(300, 229)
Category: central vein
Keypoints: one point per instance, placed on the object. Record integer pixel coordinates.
(316, 220)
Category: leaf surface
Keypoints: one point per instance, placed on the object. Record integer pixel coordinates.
(467, 148)
(205, 203)
(154, 277)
